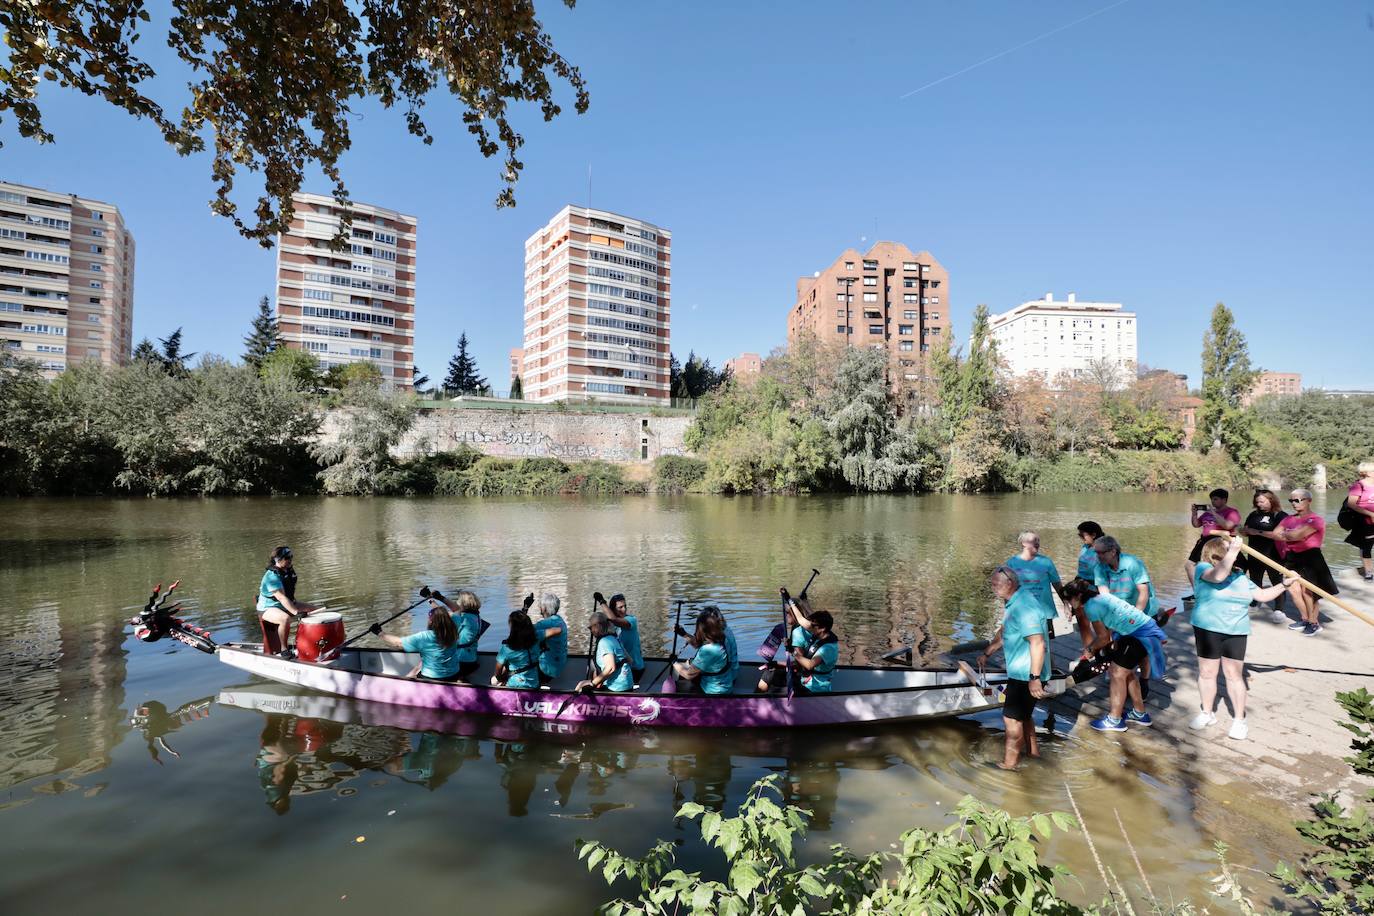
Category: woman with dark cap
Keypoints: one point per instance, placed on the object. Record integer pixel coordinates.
(277, 603)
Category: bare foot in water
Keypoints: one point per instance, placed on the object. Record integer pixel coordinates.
(1003, 766)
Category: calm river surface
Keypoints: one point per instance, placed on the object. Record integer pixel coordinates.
(136, 775)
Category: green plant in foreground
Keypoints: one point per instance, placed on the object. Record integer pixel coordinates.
(1339, 878)
(987, 861)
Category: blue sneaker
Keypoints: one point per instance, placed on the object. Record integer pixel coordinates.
(1108, 724)
(1138, 718)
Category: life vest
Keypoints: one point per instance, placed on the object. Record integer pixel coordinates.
(811, 650)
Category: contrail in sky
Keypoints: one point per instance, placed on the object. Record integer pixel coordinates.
(1023, 44)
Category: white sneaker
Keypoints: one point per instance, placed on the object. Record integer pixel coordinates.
(1277, 616)
(1240, 730)
(1202, 720)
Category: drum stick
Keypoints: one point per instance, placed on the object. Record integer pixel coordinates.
(1251, 552)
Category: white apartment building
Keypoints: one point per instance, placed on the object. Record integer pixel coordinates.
(66, 279)
(1055, 337)
(597, 316)
(354, 305)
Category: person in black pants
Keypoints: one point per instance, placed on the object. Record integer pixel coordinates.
(1265, 518)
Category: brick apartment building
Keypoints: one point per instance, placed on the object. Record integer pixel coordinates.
(355, 305)
(887, 298)
(597, 309)
(66, 279)
(1275, 384)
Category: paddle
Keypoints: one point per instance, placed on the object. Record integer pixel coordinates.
(1251, 552)
(670, 684)
(587, 689)
(424, 596)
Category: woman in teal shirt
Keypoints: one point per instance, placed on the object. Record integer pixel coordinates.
(277, 602)
(437, 646)
(517, 661)
(465, 608)
(710, 668)
(612, 664)
(1221, 627)
(1025, 652)
(820, 658)
(1038, 576)
(552, 631)
(629, 635)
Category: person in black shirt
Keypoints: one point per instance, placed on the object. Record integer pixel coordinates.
(1264, 518)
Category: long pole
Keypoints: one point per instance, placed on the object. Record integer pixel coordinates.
(1251, 552)
(673, 657)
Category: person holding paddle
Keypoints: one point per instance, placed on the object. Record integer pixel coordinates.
(820, 658)
(1025, 649)
(628, 625)
(1221, 627)
(465, 608)
(277, 602)
(517, 661)
(612, 664)
(437, 646)
(1359, 499)
(710, 668)
(552, 632)
(1300, 545)
(1258, 524)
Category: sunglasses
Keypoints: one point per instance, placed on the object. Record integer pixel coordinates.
(1296, 501)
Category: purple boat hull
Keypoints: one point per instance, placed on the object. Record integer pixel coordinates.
(863, 694)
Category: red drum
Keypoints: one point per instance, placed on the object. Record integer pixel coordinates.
(318, 636)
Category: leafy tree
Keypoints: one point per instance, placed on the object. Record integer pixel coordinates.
(462, 375)
(695, 378)
(264, 338)
(1318, 427)
(358, 458)
(1226, 379)
(1079, 423)
(24, 406)
(359, 372)
(141, 411)
(299, 367)
(279, 82)
(517, 389)
(862, 421)
(173, 360)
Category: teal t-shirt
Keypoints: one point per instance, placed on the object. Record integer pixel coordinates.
(1124, 581)
(1023, 619)
(1121, 617)
(1039, 576)
(629, 641)
(1223, 607)
(469, 628)
(553, 650)
(817, 680)
(608, 649)
(731, 649)
(713, 661)
(1087, 563)
(517, 659)
(435, 660)
(271, 582)
(802, 638)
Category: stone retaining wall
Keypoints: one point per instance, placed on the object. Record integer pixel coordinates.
(618, 437)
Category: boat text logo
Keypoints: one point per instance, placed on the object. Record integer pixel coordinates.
(645, 711)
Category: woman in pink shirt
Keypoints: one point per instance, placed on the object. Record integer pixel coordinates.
(1360, 500)
(1299, 539)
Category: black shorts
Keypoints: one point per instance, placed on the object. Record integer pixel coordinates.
(465, 669)
(1311, 565)
(1126, 651)
(1211, 644)
(1018, 705)
(638, 675)
(545, 678)
(1196, 555)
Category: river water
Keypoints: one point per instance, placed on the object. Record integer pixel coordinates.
(133, 775)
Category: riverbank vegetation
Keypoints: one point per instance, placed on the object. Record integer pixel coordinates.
(985, 861)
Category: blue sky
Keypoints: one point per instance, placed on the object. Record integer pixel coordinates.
(1160, 153)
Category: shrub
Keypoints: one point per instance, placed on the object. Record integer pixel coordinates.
(677, 474)
(1118, 471)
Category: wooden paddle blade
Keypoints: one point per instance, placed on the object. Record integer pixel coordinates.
(901, 653)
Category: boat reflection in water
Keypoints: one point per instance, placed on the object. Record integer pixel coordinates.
(315, 743)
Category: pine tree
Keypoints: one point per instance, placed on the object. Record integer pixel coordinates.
(265, 336)
(173, 360)
(146, 352)
(1226, 379)
(418, 379)
(462, 371)
(517, 389)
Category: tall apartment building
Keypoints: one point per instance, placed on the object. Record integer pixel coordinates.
(1277, 384)
(354, 305)
(597, 315)
(1054, 337)
(746, 365)
(888, 298)
(66, 279)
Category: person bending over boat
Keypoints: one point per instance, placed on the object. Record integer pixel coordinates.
(1025, 651)
(277, 602)
(819, 659)
(612, 664)
(1221, 627)
(437, 645)
(628, 624)
(1125, 638)
(710, 668)
(466, 610)
(1038, 576)
(517, 661)
(1087, 560)
(552, 632)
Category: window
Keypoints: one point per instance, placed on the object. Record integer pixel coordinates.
(935, 299)
(870, 281)
(317, 346)
(324, 294)
(839, 329)
(870, 297)
(906, 346)
(96, 284)
(909, 283)
(99, 216)
(96, 267)
(848, 265)
(934, 316)
(875, 329)
(870, 265)
(910, 298)
(93, 335)
(96, 249)
(606, 387)
(99, 232)
(910, 265)
(93, 319)
(95, 300)
(909, 315)
(904, 329)
(839, 313)
(872, 315)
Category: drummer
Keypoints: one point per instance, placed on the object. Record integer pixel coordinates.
(277, 602)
